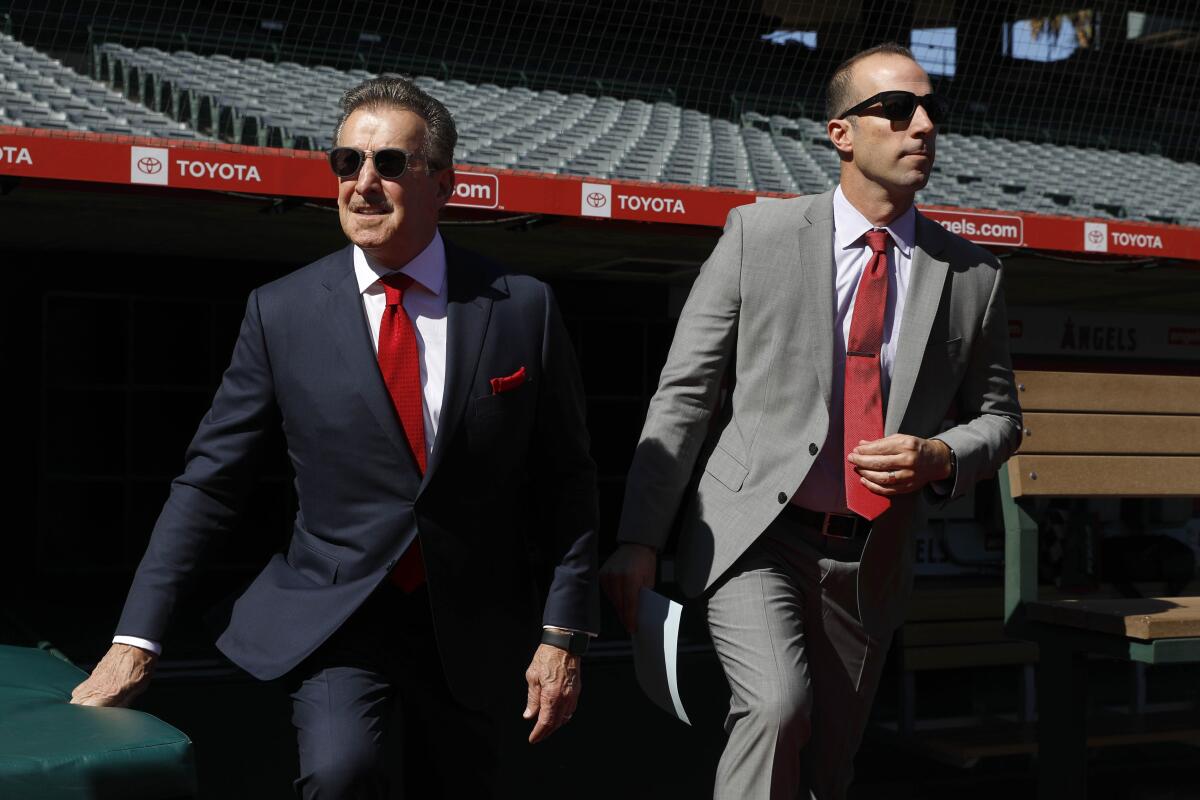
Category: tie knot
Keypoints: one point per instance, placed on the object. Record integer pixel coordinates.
(394, 287)
(877, 240)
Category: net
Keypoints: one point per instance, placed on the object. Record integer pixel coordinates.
(1115, 75)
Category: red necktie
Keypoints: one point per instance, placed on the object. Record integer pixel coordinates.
(863, 406)
(400, 363)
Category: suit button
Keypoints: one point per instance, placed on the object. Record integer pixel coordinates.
(782, 498)
(391, 565)
(812, 449)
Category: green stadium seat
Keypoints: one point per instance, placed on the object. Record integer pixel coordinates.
(52, 750)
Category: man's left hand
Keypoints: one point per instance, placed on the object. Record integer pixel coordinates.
(899, 464)
(554, 686)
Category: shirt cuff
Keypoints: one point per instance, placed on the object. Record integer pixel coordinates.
(144, 644)
(567, 630)
(945, 486)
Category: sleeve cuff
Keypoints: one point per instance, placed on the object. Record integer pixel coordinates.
(144, 644)
(945, 488)
(568, 630)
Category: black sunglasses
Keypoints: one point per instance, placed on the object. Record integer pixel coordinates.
(390, 162)
(899, 106)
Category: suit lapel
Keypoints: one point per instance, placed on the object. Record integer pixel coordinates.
(816, 276)
(348, 323)
(926, 283)
(468, 311)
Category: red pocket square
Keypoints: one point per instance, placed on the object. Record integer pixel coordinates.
(508, 384)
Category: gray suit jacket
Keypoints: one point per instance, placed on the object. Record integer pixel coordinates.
(758, 324)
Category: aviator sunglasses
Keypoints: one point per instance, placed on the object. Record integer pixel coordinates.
(899, 106)
(390, 162)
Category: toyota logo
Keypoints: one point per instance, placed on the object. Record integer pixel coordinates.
(1096, 236)
(149, 165)
(597, 200)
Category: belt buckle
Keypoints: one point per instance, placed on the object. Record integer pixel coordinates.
(825, 531)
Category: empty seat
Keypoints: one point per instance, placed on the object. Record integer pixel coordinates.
(183, 94)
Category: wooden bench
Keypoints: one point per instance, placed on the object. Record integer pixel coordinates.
(1094, 435)
(957, 625)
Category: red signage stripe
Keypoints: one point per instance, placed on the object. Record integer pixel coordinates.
(217, 166)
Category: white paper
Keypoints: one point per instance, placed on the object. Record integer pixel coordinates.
(655, 651)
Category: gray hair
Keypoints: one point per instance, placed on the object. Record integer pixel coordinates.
(839, 93)
(393, 91)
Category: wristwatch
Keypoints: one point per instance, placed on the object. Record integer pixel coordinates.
(574, 642)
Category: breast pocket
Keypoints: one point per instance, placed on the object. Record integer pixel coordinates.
(498, 425)
(502, 403)
(957, 353)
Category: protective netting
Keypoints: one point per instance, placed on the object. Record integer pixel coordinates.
(1116, 75)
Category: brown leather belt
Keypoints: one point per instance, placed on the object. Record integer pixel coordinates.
(838, 526)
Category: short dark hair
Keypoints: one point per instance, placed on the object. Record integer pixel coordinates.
(839, 92)
(395, 91)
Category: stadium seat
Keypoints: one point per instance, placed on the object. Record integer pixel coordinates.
(250, 101)
(39, 91)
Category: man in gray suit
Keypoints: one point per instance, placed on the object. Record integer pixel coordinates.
(841, 330)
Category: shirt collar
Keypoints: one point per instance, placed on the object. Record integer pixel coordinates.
(427, 268)
(849, 226)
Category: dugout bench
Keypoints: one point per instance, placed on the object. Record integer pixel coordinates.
(1093, 435)
(959, 626)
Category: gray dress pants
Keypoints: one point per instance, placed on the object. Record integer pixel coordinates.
(801, 669)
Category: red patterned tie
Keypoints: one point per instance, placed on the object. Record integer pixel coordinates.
(863, 407)
(400, 363)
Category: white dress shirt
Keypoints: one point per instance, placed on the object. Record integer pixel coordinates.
(425, 302)
(824, 488)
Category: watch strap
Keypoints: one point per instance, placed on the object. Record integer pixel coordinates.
(575, 643)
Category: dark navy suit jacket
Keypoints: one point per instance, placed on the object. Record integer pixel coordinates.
(509, 483)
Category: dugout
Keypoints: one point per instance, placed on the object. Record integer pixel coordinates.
(126, 298)
(127, 322)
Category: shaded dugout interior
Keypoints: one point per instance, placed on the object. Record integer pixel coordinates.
(121, 310)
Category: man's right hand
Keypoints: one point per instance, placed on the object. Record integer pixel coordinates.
(121, 675)
(624, 574)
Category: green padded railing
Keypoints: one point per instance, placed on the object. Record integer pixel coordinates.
(52, 750)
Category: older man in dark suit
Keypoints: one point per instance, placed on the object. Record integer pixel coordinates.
(434, 418)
